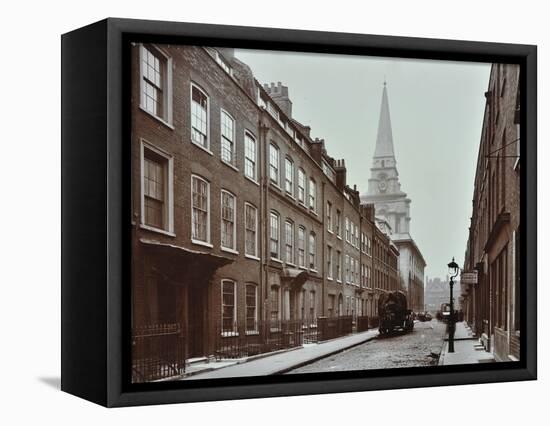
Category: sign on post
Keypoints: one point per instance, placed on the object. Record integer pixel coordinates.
(469, 277)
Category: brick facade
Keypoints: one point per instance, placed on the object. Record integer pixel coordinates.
(187, 202)
(492, 305)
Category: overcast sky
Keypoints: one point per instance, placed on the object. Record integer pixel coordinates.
(436, 110)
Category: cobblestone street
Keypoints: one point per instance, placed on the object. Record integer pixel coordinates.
(406, 350)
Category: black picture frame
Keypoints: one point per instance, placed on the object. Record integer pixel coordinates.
(95, 200)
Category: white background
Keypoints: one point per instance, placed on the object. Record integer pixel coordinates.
(30, 211)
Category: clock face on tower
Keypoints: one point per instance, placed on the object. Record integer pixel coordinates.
(382, 183)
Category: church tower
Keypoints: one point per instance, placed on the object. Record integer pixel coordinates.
(392, 209)
(384, 189)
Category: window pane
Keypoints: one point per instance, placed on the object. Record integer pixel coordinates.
(153, 191)
(228, 306)
(250, 226)
(153, 68)
(274, 163)
(228, 136)
(200, 209)
(250, 156)
(228, 220)
(199, 114)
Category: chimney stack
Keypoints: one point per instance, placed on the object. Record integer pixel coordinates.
(340, 169)
(279, 94)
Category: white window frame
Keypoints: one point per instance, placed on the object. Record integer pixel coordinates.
(339, 266)
(224, 248)
(167, 89)
(274, 149)
(302, 194)
(274, 214)
(206, 243)
(255, 330)
(234, 330)
(292, 245)
(302, 261)
(233, 162)
(339, 223)
(279, 303)
(200, 89)
(312, 195)
(169, 188)
(289, 183)
(312, 250)
(330, 264)
(251, 136)
(329, 217)
(246, 253)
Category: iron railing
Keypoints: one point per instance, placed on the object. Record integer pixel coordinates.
(362, 323)
(253, 338)
(331, 328)
(158, 352)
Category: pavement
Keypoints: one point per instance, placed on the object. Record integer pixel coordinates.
(468, 349)
(280, 362)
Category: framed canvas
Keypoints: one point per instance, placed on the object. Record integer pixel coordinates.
(255, 212)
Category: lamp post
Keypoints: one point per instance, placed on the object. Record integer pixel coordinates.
(453, 273)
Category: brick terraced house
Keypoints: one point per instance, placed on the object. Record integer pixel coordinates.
(246, 237)
(492, 304)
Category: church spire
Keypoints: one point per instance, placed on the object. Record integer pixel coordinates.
(384, 138)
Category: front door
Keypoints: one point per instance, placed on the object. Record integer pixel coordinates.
(196, 330)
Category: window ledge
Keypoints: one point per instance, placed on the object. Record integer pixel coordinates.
(252, 180)
(202, 147)
(274, 259)
(158, 230)
(231, 166)
(339, 281)
(160, 120)
(249, 256)
(229, 334)
(330, 231)
(339, 237)
(275, 185)
(330, 279)
(252, 333)
(289, 195)
(303, 267)
(229, 250)
(315, 271)
(201, 243)
(290, 264)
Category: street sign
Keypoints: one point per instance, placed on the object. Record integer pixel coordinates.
(468, 277)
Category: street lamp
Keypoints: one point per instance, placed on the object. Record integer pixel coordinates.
(453, 273)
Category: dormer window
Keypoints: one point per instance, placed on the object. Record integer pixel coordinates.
(223, 63)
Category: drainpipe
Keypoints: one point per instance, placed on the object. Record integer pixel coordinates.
(361, 242)
(323, 248)
(264, 193)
